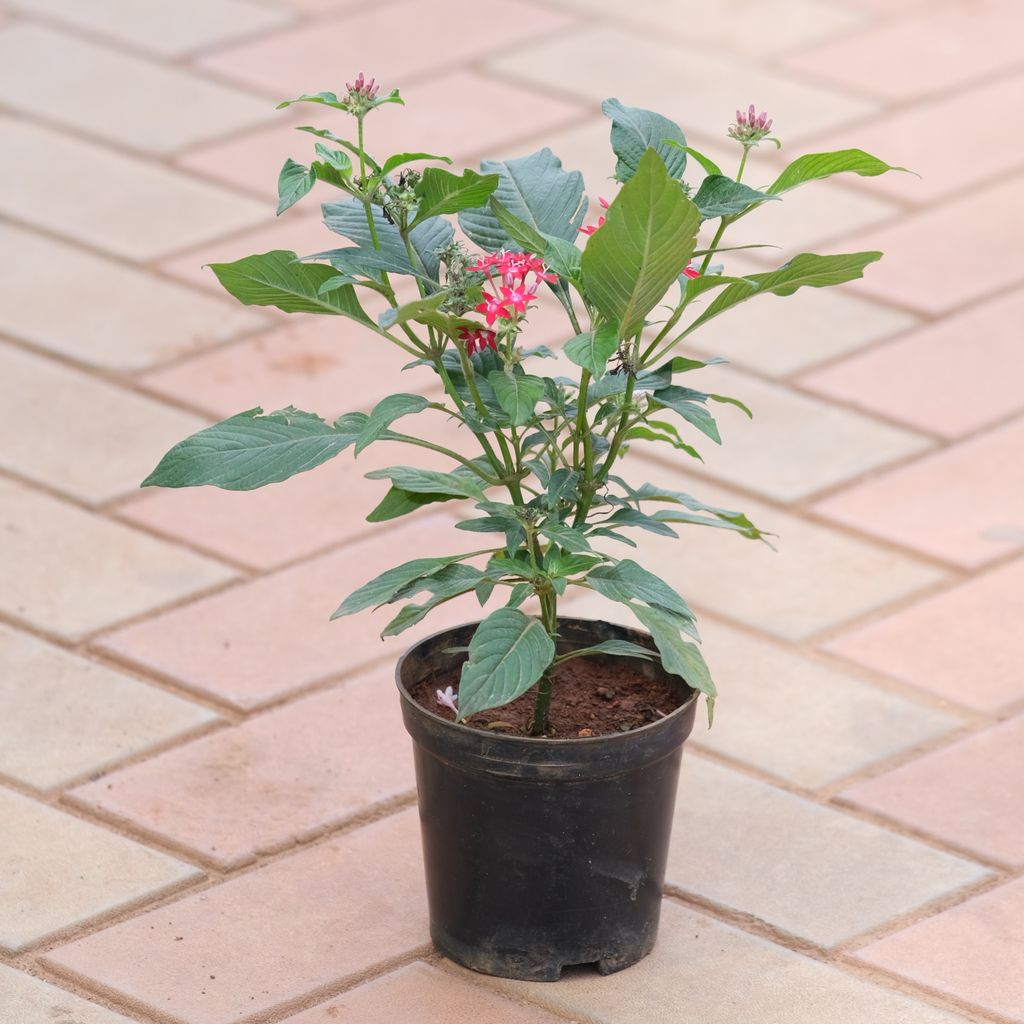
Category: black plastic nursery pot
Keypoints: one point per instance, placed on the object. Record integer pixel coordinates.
(543, 853)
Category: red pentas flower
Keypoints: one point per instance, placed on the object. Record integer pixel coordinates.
(516, 276)
(591, 228)
(477, 341)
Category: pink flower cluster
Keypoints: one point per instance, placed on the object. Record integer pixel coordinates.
(362, 88)
(507, 273)
(591, 228)
(750, 127)
(477, 341)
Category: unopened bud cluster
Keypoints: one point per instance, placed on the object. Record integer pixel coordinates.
(750, 127)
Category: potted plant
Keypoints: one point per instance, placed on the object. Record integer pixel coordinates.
(547, 748)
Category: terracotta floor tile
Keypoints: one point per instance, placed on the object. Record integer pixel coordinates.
(423, 994)
(152, 25)
(70, 572)
(323, 364)
(111, 95)
(115, 195)
(918, 137)
(99, 872)
(793, 446)
(47, 297)
(665, 76)
(287, 62)
(947, 44)
(812, 871)
(970, 794)
(62, 715)
(261, 640)
(981, 512)
(835, 724)
(451, 115)
(816, 577)
(971, 952)
(29, 1000)
(919, 252)
(288, 930)
(277, 779)
(749, 974)
(86, 451)
(923, 644)
(786, 24)
(911, 378)
(809, 327)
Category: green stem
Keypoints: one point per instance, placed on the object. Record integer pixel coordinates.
(420, 443)
(542, 707)
(449, 386)
(613, 451)
(743, 162)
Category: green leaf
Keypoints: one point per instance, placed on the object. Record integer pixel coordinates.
(726, 400)
(631, 517)
(646, 242)
(805, 270)
(424, 311)
(396, 161)
(566, 537)
(443, 585)
(706, 162)
(628, 581)
(686, 402)
(538, 192)
(621, 648)
(428, 481)
(355, 260)
(443, 192)
(518, 393)
(278, 279)
(251, 450)
(518, 230)
(348, 218)
(719, 196)
(593, 349)
(564, 259)
(324, 133)
(385, 412)
(397, 503)
(659, 430)
(330, 99)
(509, 652)
(294, 181)
(634, 131)
(724, 518)
(677, 655)
(814, 166)
(381, 589)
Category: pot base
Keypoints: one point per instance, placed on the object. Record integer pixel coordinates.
(537, 963)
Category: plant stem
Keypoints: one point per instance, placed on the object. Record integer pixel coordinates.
(549, 617)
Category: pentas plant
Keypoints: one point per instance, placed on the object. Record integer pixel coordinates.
(634, 285)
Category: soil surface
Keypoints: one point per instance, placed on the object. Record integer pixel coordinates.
(591, 697)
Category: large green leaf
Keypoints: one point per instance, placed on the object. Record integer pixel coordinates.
(381, 589)
(397, 503)
(428, 481)
(634, 131)
(518, 230)
(369, 262)
(677, 655)
(441, 191)
(646, 242)
(689, 404)
(251, 450)
(537, 191)
(719, 196)
(593, 349)
(348, 218)
(628, 581)
(294, 181)
(507, 655)
(399, 159)
(384, 413)
(518, 393)
(278, 279)
(814, 166)
(808, 270)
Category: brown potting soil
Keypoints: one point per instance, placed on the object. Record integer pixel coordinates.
(590, 697)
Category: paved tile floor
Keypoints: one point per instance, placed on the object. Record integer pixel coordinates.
(206, 817)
